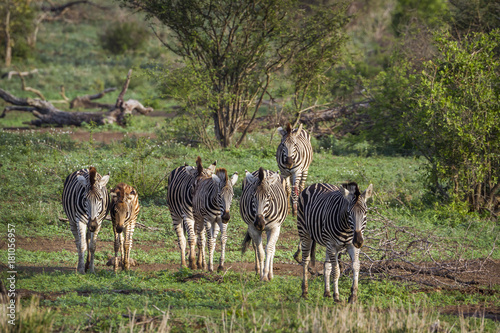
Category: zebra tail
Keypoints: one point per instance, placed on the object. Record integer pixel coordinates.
(246, 243)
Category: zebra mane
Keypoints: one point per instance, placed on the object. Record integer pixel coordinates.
(92, 176)
(222, 174)
(353, 189)
(199, 166)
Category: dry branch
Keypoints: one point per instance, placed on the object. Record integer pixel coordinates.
(47, 113)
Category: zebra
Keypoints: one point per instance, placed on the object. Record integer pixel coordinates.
(294, 155)
(85, 201)
(263, 207)
(335, 217)
(212, 200)
(180, 203)
(124, 210)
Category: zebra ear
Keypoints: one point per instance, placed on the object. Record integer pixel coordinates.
(82, 180)
(345, 192)
(300, 129)
(212, 166)
(234, 178)
(104, 180)
(368, 192)
(281, 131)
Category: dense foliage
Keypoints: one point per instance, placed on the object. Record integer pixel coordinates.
(448, 109)
(232, 51)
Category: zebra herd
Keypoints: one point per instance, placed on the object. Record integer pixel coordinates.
(199, 200)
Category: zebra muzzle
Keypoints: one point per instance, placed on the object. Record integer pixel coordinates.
(289, 162)
(93, 225)
(357, 240)
(260, 222)
(119, 229)
(225, 217)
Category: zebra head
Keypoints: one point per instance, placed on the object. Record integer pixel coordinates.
(261, 198)
(357, 210)
(95, 191)
(122, 197)
(287, 150)
(225, 192)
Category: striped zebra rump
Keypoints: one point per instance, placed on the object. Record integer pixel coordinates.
(263, 207)
(85, 201)
(180, 191)
(334, 217)
(294, 156)
(212, 200)
(123, 210)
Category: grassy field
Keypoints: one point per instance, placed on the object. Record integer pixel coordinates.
(34, 166)
(405, 220)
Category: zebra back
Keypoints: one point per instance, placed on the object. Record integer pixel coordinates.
(124, 206)
(85, 197)
(295, 151)
(180, 189)
(333, 214)
(264, 199)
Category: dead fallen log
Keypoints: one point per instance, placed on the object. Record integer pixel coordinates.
(86, 101)
(47, 114)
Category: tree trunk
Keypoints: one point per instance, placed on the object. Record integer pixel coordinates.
(8, 43)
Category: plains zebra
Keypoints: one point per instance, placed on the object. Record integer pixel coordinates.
(124, 210)
(335, 217)
(180, 203)
(85, 202)
(212, 200)
(264, 207)
(294, 155)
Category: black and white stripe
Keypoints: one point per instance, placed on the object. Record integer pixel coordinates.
(294, 155)
(335, 217)
(85, 201)
(212, 200)
(263, 207)
(180, 191)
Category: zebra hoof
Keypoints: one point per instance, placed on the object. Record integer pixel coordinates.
(353, 299)
(304, 295)
(220, 268)
(264, 278)
(327, 294)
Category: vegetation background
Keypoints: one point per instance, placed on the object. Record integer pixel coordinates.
(414, 89)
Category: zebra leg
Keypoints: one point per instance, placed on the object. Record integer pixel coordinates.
(211, 237)
(126, 247)
(297, 253)
(288, 192)
(330, 256)
(354, 253)
(190, 228)
(259, 250)
(306, 243)
(295, 193)
(257, 262)
(181, 240)
(117, 249)
(336, 276)
(201, 241)
(79, 231)
(91, 250)
(223, 240)
(272, 238)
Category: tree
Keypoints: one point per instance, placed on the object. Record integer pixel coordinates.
(449, 110)
(232, 51)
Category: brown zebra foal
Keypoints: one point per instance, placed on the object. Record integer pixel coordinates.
(124, 210)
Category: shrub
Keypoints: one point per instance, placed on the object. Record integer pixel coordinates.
(118, 38)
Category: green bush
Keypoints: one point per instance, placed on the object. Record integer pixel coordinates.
(118, 38)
